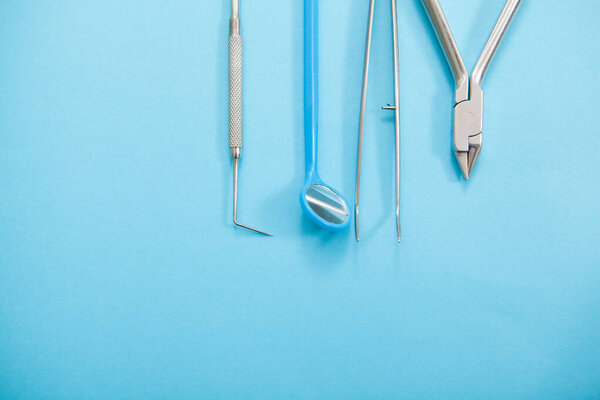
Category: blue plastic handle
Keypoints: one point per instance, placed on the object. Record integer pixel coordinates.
(311, 86)
(311, 114)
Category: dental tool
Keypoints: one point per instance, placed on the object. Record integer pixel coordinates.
(468, 102)
(320, 202)
(395, 108)
(235, 104)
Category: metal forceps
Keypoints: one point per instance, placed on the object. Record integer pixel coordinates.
(395, 108)
(468, 103)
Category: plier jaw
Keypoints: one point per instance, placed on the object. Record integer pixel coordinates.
(468, 127)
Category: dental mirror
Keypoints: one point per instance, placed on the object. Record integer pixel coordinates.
(325, 206)
(321, 203)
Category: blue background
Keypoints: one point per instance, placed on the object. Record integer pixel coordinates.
(122, 276)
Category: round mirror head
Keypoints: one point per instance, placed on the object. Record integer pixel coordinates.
(328, 205)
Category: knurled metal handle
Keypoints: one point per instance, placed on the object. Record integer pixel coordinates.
(235, 91)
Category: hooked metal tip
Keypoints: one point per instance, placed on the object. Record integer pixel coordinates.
(236, 162)
(250, 228)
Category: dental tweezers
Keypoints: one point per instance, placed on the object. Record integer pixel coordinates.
(468, 102)
(395, 108)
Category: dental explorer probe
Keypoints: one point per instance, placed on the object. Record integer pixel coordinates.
(235, 103)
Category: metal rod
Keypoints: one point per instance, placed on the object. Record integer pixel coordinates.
(361, 124)
(444, 34)
(507, 15)
(397, 112)
(235, 8)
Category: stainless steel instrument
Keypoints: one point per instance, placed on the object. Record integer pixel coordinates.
(468, 103)
(235, 103)
(395, 108)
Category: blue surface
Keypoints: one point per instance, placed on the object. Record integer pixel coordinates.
(121, 275)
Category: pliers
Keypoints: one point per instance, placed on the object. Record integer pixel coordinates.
(468, 98)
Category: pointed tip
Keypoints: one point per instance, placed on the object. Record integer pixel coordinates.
(356, 226)
(474, 150)
(261, 232)
(473, 154)
(251, 228)
(463, 161)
